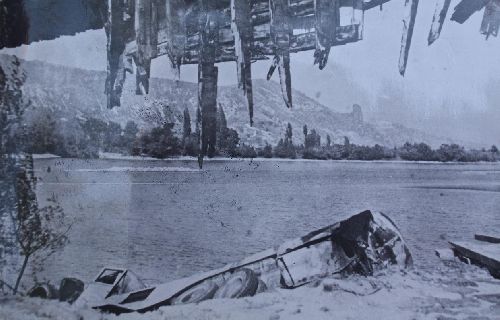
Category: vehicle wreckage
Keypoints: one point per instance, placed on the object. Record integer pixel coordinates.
(361, 244)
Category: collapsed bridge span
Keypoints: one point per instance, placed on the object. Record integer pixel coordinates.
(207, 32)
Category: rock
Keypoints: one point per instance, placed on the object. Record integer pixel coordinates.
(445, 254)
(261, 287)
(43, 291)
(70, 289)
(328, 288)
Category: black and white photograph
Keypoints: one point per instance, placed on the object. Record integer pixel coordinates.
(249, 159)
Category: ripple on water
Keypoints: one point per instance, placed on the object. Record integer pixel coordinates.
(165, 223)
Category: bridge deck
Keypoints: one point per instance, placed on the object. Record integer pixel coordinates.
(206, 32)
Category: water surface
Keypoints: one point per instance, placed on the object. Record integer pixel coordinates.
(167, 219)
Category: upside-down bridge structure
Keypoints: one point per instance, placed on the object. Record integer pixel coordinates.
(207, 32)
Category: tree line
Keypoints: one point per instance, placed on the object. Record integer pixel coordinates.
(85, 138)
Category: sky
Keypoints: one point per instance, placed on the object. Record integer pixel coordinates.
(450, 88)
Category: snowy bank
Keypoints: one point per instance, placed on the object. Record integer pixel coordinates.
(139, 169)
(44, 156)
(118, 156)
(452, 290)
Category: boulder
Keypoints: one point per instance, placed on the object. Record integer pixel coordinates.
(70, 289)
(43, 291)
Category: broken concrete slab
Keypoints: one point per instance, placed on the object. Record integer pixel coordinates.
(487, 238)
(483, 255)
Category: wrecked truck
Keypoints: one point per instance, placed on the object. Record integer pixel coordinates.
(361, 244)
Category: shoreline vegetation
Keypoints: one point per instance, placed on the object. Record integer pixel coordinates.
(89, 138)
(92, 137)
(118, 156)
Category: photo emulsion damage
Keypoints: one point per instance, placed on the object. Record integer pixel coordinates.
(249, 159)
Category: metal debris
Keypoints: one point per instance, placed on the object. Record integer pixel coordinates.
(408, 24)
(491, 19)
(206, 32)
(360, 245)
(146, 37)
(327, 18)
(207, 77)
(241, 26)
(281, 32)
(175, 26)
(466, 8)
(442, 7)
(119, 32)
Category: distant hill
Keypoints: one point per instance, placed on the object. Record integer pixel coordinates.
(80, 93)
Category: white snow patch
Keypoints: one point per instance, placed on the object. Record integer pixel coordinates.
(140, 169)
(446, 291)
(119, 156)
(44, 156)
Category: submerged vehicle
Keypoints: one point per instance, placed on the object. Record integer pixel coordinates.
(360, 244)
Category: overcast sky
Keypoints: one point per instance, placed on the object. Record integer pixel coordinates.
(446, 88)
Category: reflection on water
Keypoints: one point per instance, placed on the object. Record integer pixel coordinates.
(168, 223)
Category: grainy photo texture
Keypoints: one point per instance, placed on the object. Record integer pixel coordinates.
(249, 159)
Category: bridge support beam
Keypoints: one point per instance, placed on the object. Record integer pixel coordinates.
(207, 78)
(281, 32)
(327, 17)
(176, 34)
(120, 31)
(491, 19)
(408, 25)
(146, 34)
(442, 7)
(241, 26)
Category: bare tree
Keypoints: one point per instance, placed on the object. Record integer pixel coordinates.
(32, 230)
(37, 230)
(12, 107)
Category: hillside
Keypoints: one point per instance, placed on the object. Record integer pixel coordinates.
(80, 93)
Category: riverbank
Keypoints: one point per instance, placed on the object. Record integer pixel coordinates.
(117, 209)
(117, 156)
(451, 291)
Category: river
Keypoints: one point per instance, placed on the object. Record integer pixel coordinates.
(166, 219)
